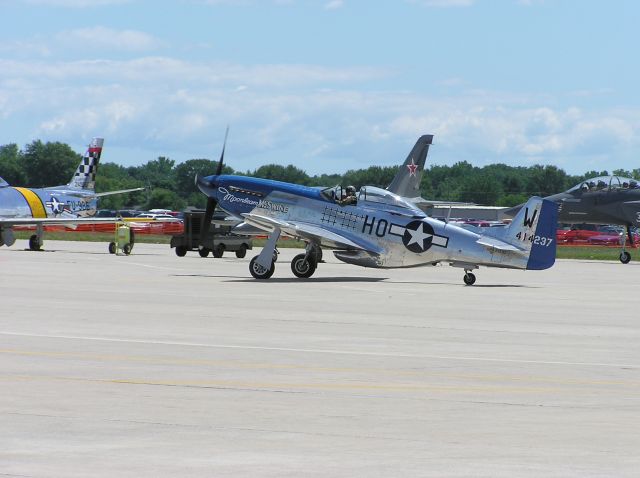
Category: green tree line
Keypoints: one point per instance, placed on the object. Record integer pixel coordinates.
(170, 185)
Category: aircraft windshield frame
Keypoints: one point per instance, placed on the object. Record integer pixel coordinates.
(377, 195)
(333, 193)
(3, 183)
(606, 183)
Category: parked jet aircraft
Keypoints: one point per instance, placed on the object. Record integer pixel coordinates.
(381, 230)
(601, 200)
(406, 182)
(69, 204)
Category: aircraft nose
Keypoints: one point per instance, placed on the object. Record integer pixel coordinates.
(207, 184)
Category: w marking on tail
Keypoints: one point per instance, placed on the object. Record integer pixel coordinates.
(528, 221)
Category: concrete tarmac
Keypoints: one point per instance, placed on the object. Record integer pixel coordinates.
(152, 365)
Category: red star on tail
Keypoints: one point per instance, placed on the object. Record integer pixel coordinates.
(413, 167)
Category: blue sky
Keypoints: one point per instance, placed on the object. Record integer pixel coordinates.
(326, 85)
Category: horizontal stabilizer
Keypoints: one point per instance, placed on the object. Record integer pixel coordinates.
(121, 191)
(494, 243)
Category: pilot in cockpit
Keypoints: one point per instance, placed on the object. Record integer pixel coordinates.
(350, 198)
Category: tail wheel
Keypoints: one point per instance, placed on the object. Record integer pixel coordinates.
(204, 252)
(469, 278)
(112, 248)
(240, 253)
(303, 266)
(625, 257)
(259, 272)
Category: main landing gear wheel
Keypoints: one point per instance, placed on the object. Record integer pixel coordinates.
(303, 266)
(34, 244)
(127, 248)
(469, 278)
(181, 251)
(112, 248)
(260, 272)
(625, 257)
(204, 252)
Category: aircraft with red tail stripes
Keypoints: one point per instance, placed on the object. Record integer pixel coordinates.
(69, 204)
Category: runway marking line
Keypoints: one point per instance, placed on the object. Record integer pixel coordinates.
(322, 351)
(231, 364)
(292, 386)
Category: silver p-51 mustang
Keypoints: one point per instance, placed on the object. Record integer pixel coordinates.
(376, 228)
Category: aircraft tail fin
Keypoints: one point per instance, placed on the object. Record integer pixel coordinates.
(533, 230)
(406, 183)
(85, 175)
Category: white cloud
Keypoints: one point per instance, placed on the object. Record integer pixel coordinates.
(497, 131)
(529, 3)
(444, 3)
(319, 118)
(245, 3)
(453, 82)
(334, 4)
(75, 3)
(106, 38)
(168, 70)
(26, 48)
(95, 40)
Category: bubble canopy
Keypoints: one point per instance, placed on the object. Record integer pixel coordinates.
(605, 183)
(373, 195)
(382, 196)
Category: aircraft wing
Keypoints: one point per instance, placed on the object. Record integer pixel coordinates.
(55, 221)
(307, 231)
(420, 201)
(88, 197)
(494, 243)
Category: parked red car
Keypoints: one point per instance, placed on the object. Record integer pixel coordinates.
(600, 235)
(576, 233)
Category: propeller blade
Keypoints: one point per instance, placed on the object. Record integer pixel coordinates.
(208, 189)
(224, 145)
(206, 219)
